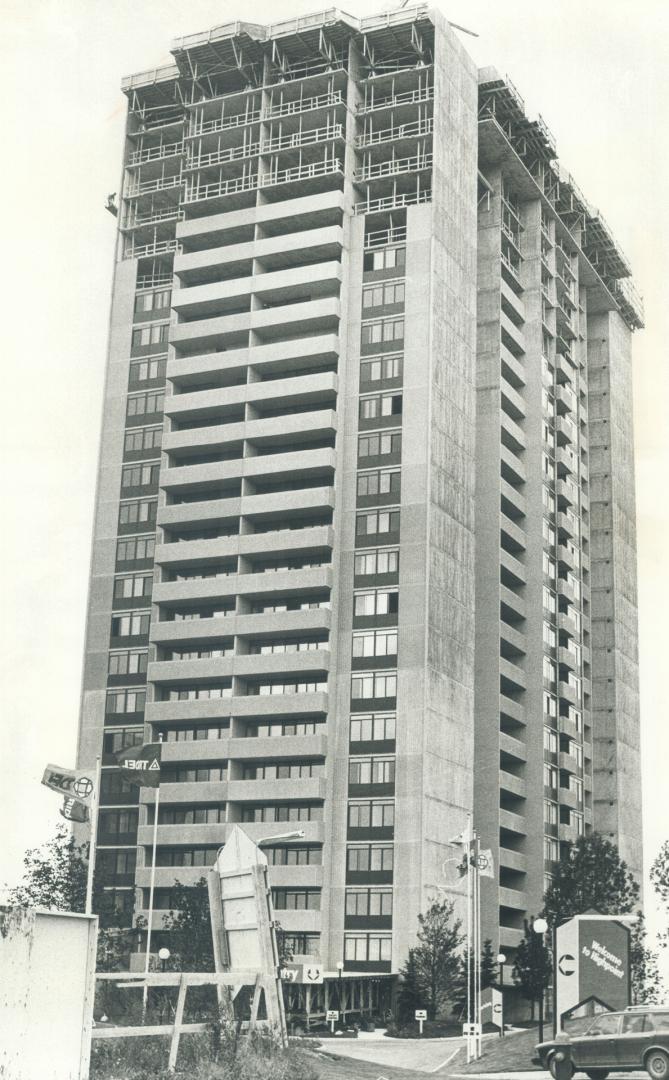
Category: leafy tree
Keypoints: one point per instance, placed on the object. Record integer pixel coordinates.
(590, 874)
(488, 965)
(647, 985)
(436, 954)
(410, 995)
(659, 876)
(189, 925)
(532, 969)
(55, 877)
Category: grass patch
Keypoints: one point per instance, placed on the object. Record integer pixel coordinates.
(513, 1053)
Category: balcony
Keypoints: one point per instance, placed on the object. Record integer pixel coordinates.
(307, 788)
(252, 705)
(514, 784)
(512, 898)
(279, 542)
(512, 570)
(515, 823)
(310, 316)
(512, 860)
(509, 937)
(295, 247)
(296, 583)
(298, 467)
(511, 709)
(307, 662)
(413, 129)
(511, 746)
(394, 101)
(512, 674)
(513, 602)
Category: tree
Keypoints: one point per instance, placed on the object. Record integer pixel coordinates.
(488, 965)
(647, 985)
(55, 877)
(410, 995)
(436, 954)
(189, 925)
(590, 874)
(532, 968)
(659, 876)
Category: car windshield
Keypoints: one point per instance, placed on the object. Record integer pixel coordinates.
(604, 1025)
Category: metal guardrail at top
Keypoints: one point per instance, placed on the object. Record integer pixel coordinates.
(407, 97)
(414, 129)
(394, 202)
(154, 153)
(397, 167)
(384, 237)
(268, 146)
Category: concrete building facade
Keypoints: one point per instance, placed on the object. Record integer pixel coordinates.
(364, 543)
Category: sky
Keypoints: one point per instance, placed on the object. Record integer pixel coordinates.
(598, 74)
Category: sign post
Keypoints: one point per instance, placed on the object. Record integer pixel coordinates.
(332, 1015)
(421, 1017)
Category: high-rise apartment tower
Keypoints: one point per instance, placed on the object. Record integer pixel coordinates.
(364, 547)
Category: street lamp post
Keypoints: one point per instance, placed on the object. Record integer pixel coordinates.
(164, 955)
(340, 971)
(540, 926)
(501, 960)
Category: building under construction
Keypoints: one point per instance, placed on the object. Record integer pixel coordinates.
(367, 452)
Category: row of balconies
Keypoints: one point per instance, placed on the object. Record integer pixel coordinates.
(314, 662)
(258, 511)
(274, 324)
(275, 288)
(186, 373)
(269, 254)
(203, 124)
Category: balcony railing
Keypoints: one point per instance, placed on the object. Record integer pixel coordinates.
(155, 153)
(395, 167)
(162, 183)
(158, 247)
(385, 237)
(394, 202)
(415, 129)
(271, 179)
(408, 97)
(170, 213)
(284, 108)
(268, 146)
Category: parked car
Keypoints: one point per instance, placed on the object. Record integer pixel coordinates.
(614, 1041)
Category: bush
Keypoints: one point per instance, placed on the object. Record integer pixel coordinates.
(221, 1054)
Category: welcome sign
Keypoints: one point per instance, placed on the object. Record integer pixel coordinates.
(592, 960)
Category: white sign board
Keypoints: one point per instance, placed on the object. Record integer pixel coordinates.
(421, 1014)
(305, 974)
(332, 1014)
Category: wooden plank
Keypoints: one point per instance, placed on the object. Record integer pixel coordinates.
(89, 997)
(178, 1021)
(256, 1000)
(139, 1032)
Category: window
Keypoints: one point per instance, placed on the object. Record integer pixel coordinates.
(550, 777)
(367, 948)
(548, 533)
(606, 1024)
(196, 856)
(372, 727)
(658, 1021)
(145, 370)
(376, 602)
(380, 368)
(375, 643)
(390, 292)
(189, 815)
(120, 738)
(550, 741)
(301, 944)
(118, 822)
(296, 899)
(551, 816)
(197, 693)
(550, 705)
(551, 849)
(118, 863)
(288, 812)
(196, 733)
(125, 701)
(133, 585)
(131, 624)
(113, 783)
(146, 438)
(134, 476)
(156, 334)
(279, 729)
(135, 549)
(374, 684)
(549, 565)
(294, 855)
(548, 500)
(369, 857)
(288, 647)
(382, 561)
(380, 482)
(380, 444)
(550, 671)
(550, 601)
(369, 902)
(289, 770)
(197, 654)
(375, 522)
(129, 662)
(136, 511)
(549, 636)
(185, 774)
(380, 405)
(149, 402)
(316, 687)
(152, 301)
(576, 718)
(375, 814)
(385, 258)
(371, 770)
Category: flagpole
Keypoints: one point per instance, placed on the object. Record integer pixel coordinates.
(477, 872)
(145, 995)
(468, 856)
(95, 802)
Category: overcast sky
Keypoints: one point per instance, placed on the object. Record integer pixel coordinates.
(595, 70)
